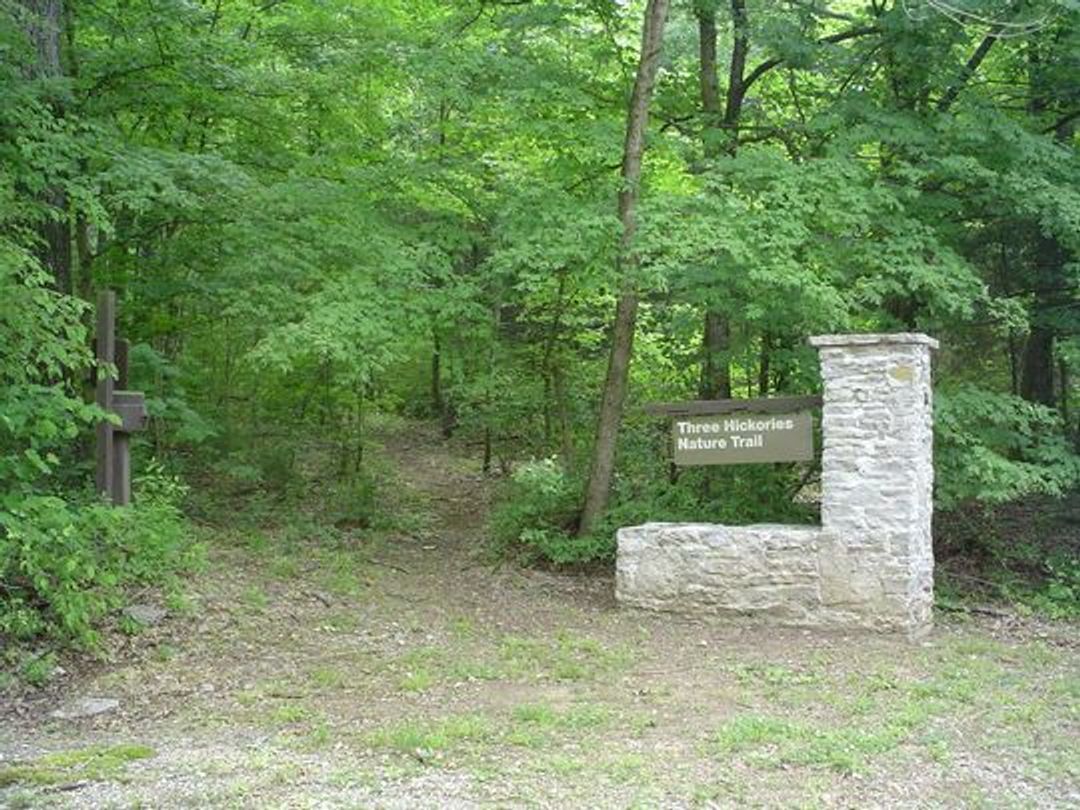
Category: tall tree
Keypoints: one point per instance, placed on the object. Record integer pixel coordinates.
(598, 488)
(1052, 287)
(715, 370)
(44, 24)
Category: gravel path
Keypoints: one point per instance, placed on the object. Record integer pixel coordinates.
(404, 672)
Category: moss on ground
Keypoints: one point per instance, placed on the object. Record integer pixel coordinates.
(92, 764)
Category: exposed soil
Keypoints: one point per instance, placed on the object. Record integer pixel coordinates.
(405, 671)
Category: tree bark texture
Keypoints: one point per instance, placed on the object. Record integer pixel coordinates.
(436, 374)
(598, 488)
(1054, 291)
(736, 90)
(715, 369)
(1037, 367)
(715, 382)
(44, 21)
(710, 86)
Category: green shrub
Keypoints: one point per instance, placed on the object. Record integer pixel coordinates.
(65, 559)
(356, 501)
(65, 565)
(276, 463)
(1050, 588)
(1060, 597)
(1023, 553)
(536, 512)
(43, 352)
(995, 448)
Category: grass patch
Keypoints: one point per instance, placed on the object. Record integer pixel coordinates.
(320, 736)
(164, 653)
(535, 725)
(258, 543)
(342, 621)
(36, 670)
(773, 675)
(473, 669)
(776, 742)
(181, 605)
(417, 681)
(342, 572)
(564, 764)
(327, 678)
(845, 724)
(255, 599)
(288, 715)
(462, 628)
(527, 726)
(541, 715)
(590, 767)
(566, 657)
(274, 703)
(436, 736)
(578, 717)
(284, 567)
(93, 764)
(626, 768)
(422, 667)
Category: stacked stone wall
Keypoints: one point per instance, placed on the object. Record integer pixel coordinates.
(870, 563)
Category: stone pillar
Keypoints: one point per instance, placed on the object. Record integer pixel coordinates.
(876, 557)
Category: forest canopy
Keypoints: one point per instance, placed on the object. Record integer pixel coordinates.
(317, 214)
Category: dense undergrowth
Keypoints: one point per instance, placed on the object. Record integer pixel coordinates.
(69, 566)
(537, 509)
(67, 559)
(1024, 555)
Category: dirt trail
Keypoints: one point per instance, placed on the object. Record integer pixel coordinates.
(409, 673)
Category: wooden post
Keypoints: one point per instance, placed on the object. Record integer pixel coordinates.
(114, 441)
(121, 491)
(121, 347)
(106, 353)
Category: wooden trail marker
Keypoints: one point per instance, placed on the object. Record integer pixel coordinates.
(113, 441)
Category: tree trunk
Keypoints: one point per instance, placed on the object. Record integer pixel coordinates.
(1014, 364)
(1065, 406)
(436, 375)
(489, 392)
(736, 90)
(611, 405)
(1037, 383)
(562, 404)
(549, 407)
(715, 369)
(1052, 290)
(715, 380)
(45, 28)
(358, 459)
(1052, 285)
(550, 361)
(764, 362)
(710, 89)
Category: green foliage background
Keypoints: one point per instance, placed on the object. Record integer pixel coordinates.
(318, 213)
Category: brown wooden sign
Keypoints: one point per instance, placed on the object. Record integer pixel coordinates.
(742, 438)
(740, 431)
